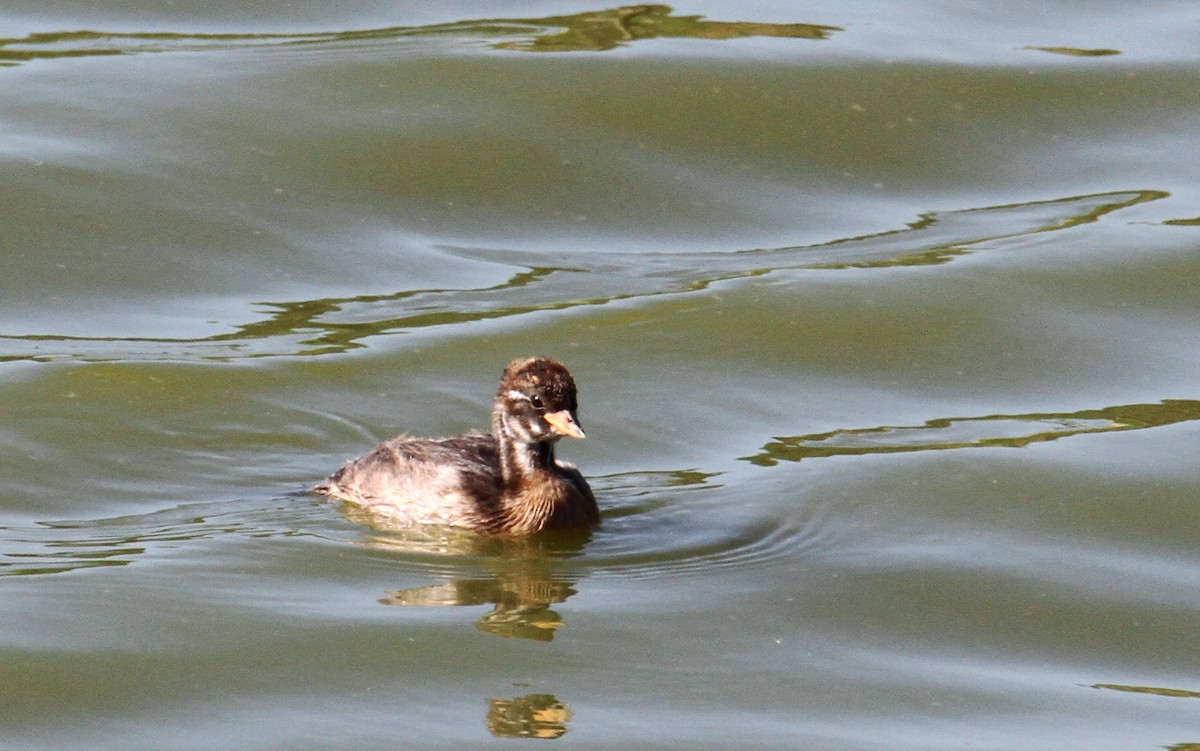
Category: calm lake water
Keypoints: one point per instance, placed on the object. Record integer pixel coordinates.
(886, 321)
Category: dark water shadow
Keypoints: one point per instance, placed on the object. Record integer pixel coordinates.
(590, 31)
(340, 324)
(1013, 431)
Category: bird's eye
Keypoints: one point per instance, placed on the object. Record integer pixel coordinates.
(536, 401)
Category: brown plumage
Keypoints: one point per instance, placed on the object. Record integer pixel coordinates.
(506, 481)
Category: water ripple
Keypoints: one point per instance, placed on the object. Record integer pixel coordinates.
(1173, 693)
(1014, 431)
(591, 31)
(656, 524)
(652, 528)
(337, 325)
(56, 547)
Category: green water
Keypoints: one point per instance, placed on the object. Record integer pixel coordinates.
(884, 321)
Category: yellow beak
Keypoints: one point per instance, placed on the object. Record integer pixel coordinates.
(565, 423)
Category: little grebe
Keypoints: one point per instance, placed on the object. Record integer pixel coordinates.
(508, 481)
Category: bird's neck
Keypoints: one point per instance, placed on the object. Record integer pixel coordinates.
(521, 459)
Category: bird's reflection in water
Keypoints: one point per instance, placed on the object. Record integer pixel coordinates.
(522, 602)
(530, 716)
(520, 576)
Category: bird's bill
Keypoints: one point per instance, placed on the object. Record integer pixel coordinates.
(565, 423)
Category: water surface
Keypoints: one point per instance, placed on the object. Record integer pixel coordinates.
(884, 320)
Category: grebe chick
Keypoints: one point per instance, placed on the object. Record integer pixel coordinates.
(506, 482)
